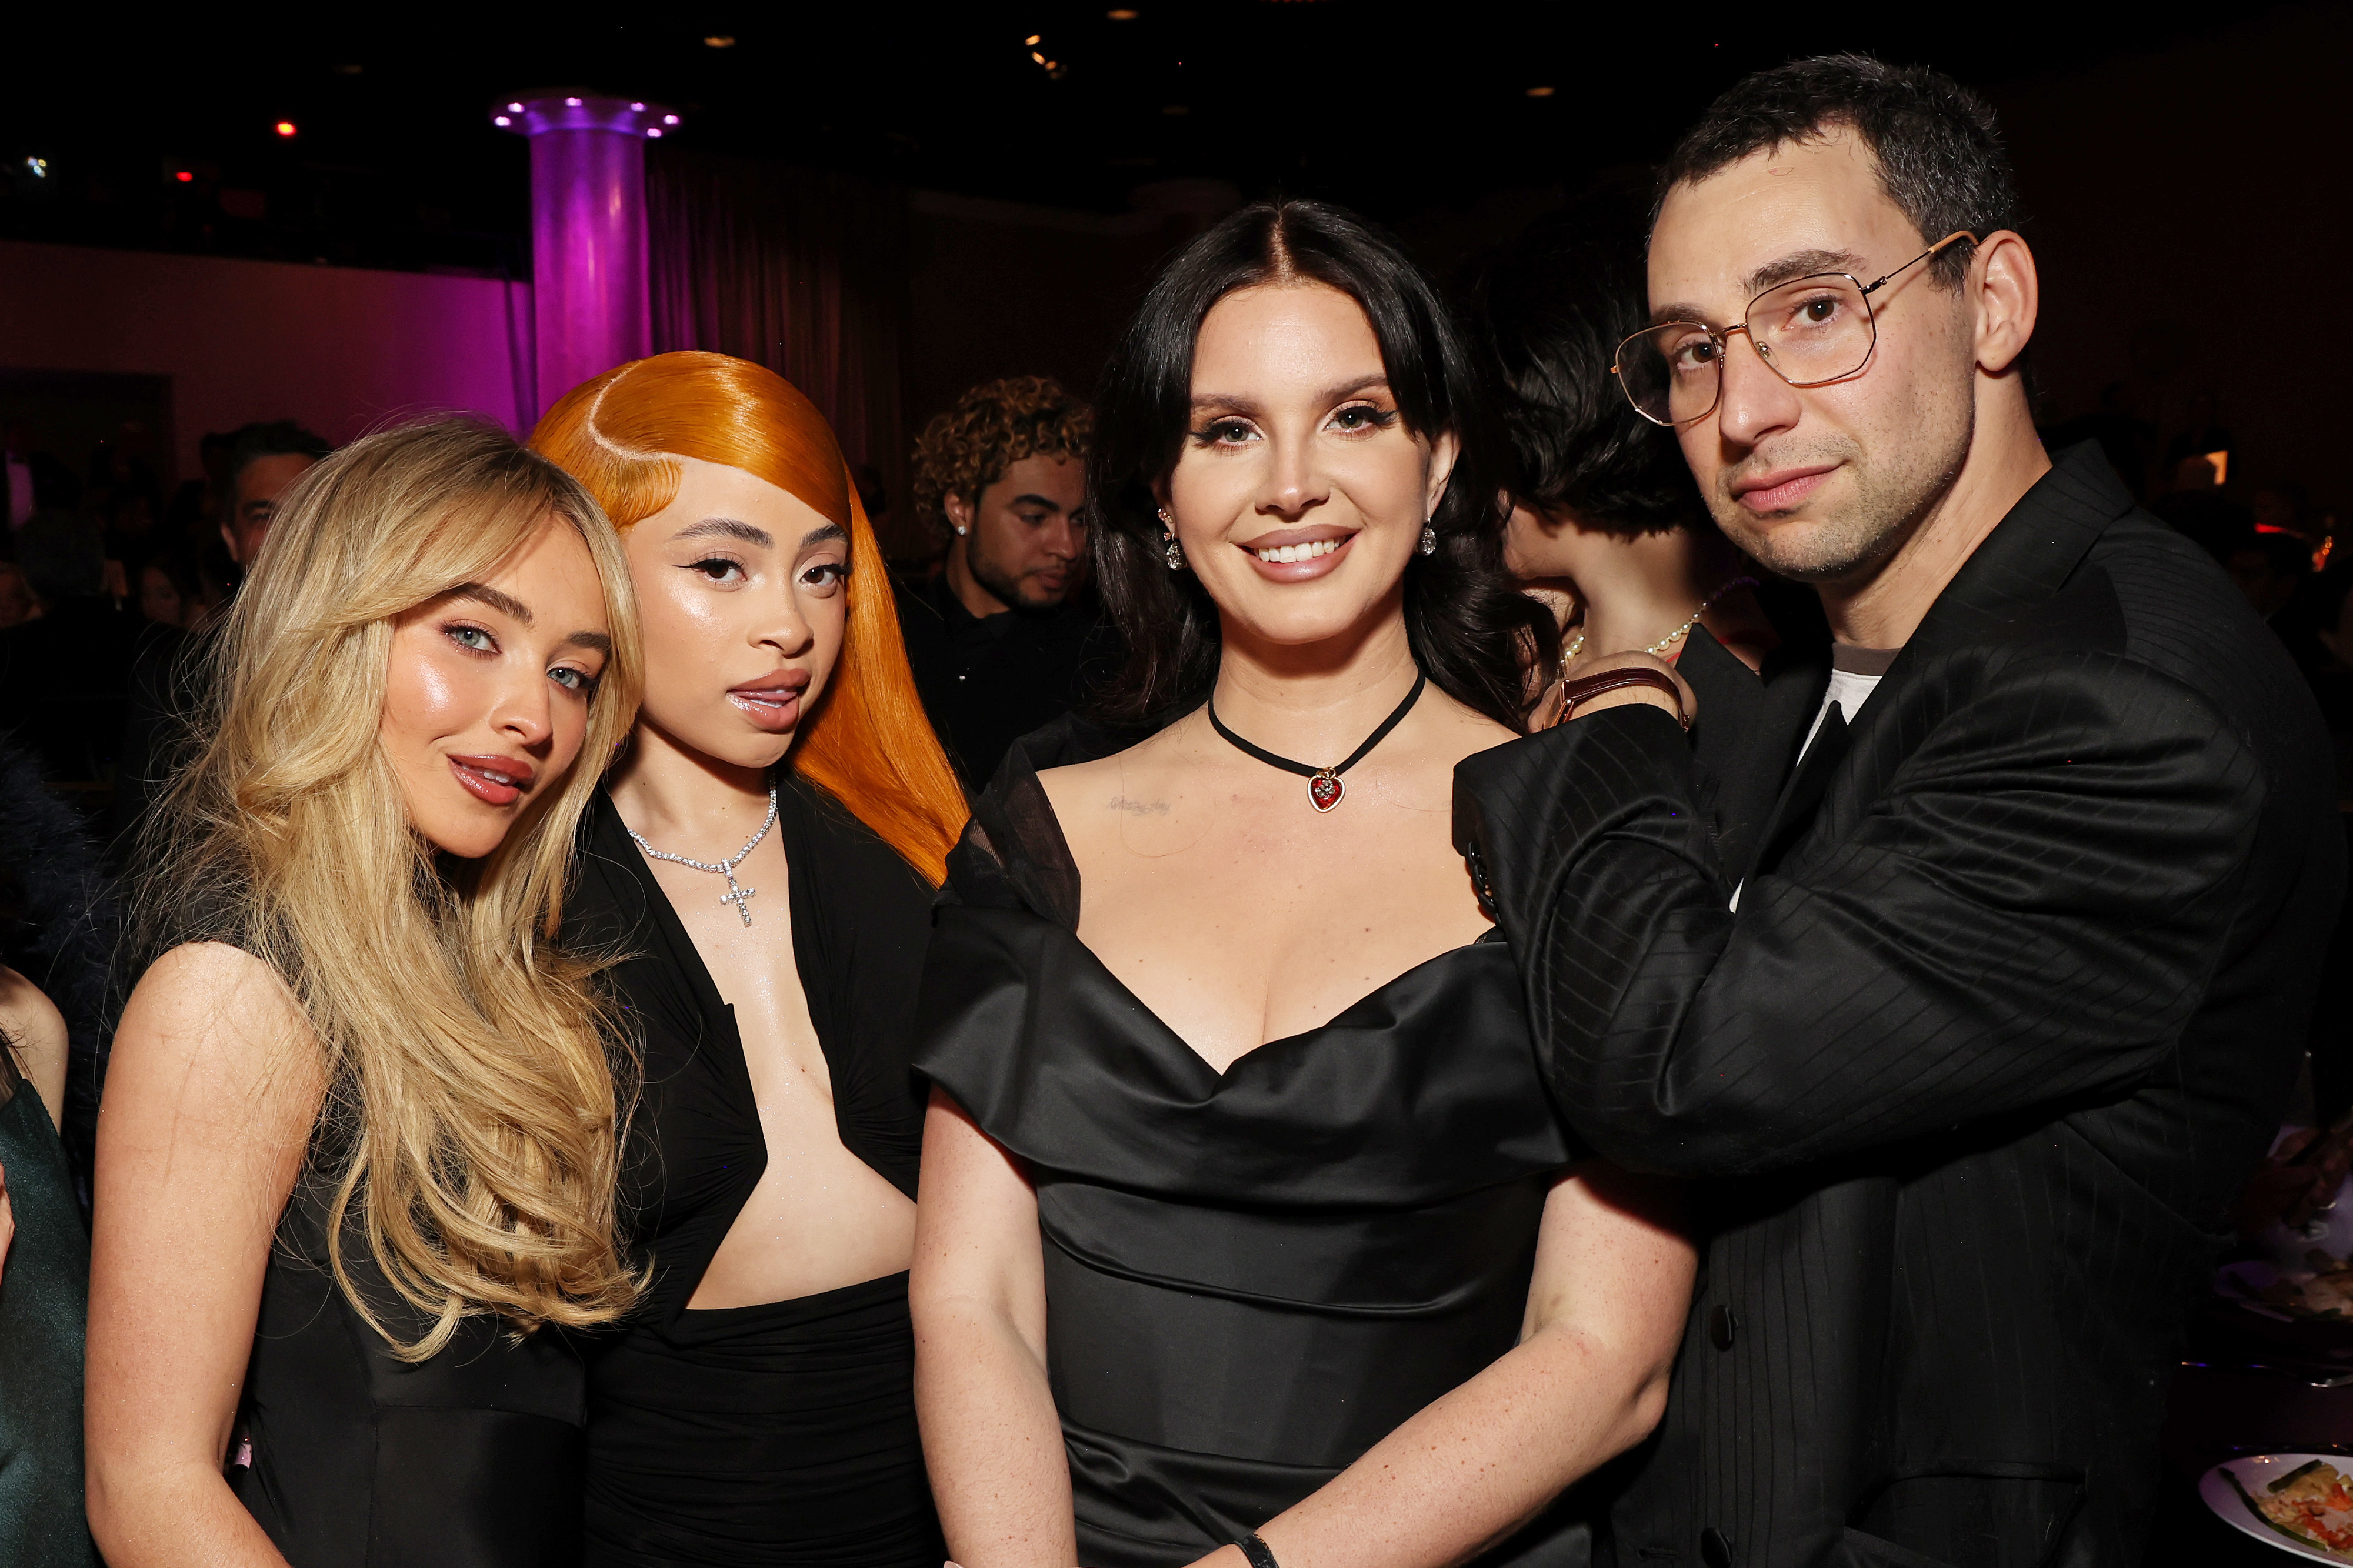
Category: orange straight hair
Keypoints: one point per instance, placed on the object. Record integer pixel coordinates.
(869, 741)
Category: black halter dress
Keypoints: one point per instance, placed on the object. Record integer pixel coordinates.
(1251, 1277)
(784, 1432)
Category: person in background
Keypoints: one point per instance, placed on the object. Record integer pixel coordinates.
(767, 854)
(264, 461)
(357, 1156)
(263, 466)
(55, 938)
(62, 674)
(1606, 524)
(1004, 639)
(171, 592)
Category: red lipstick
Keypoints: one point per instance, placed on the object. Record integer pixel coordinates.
(496, 781)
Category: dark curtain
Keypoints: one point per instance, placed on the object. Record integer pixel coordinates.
(803, 272)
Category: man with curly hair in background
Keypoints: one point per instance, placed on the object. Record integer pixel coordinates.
(1006, 638)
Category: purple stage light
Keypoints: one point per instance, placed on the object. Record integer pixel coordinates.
(588, 233)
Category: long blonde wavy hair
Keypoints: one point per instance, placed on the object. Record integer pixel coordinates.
(471, 1121)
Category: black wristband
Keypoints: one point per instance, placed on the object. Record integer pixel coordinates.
(1255, 1550)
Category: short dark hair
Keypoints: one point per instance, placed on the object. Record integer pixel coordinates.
(1547, 313)
(1938, 148)
(1467, 623)
(272, 438)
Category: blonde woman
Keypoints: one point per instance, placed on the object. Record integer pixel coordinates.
(356, 1159)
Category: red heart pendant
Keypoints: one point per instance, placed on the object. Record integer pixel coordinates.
(1325, 791)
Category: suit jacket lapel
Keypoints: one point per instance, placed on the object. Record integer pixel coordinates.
(1747, 735)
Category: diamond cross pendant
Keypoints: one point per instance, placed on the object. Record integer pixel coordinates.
(739, 897)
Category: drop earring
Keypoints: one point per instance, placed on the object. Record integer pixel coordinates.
(1174, 554)
(1428, 540)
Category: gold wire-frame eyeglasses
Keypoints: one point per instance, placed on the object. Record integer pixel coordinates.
(1646, 371)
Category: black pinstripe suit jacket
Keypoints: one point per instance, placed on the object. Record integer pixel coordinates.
(2011, 1003)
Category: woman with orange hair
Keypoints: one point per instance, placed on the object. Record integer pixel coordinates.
(763, 861)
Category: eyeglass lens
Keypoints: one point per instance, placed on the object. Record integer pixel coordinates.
(1812, 330)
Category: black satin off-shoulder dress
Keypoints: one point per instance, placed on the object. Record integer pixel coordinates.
(1251, 1277)
(782, 1433)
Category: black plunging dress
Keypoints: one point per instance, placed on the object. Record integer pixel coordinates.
(1251, 1277)
(783, 1433)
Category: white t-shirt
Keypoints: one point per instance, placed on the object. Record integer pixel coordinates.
(1855, 674)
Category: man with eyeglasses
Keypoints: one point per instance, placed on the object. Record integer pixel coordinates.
(1975, 1031)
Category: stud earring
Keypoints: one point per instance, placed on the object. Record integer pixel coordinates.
(961, 530)
(1428, 540)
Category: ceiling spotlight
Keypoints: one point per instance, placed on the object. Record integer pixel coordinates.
(1039, 57)
(571, 103)
(1122, 15)
(1540, 92)
(637, 109)
(654, 131)
(1032, 39)
(501, 120)
(186, 177)
(284, 128)
(669, 120)
(37, 167)
(515, 108)
(719, 41)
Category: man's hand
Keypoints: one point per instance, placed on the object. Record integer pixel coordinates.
(1592, 666)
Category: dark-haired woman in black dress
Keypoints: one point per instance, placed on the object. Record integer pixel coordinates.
(1247, 1234)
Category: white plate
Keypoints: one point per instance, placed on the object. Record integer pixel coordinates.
(2254, 1472)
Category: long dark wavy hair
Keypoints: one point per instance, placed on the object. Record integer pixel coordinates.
(1470, 628)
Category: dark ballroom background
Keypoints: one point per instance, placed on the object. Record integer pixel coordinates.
(214, 216)
(889, 204)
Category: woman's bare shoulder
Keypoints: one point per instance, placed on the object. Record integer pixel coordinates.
(36, 1031)
(212, 1003)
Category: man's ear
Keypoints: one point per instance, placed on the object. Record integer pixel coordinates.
(2008, 294)
(959, 512)
(228, 539)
